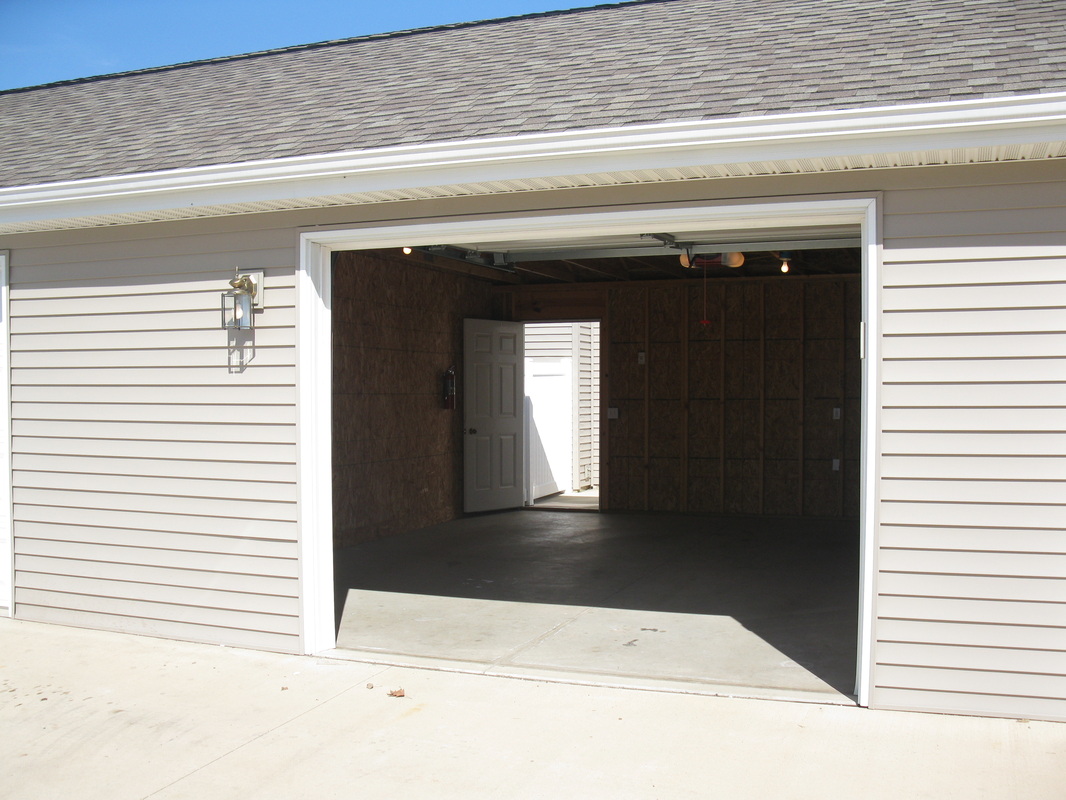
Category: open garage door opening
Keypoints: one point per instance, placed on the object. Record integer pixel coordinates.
(727, 558)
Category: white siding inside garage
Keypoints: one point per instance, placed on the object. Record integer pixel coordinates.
(154, 488)
(971, 585)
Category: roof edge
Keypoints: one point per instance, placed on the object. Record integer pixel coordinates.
(368, 37)
(808, 137)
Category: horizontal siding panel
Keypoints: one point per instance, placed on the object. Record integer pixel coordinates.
(974, 419)
(1038, 590)
(224, 509)
(80, 410)
(160, 540)
(961, 395)
(973, 514)
(234, 395)
(999, 612)
(969, 634)
(205, 318)
(149, 557)
(156, 485)
(160, 275)
(974, 198)
(1046, 662)
(141, 573)
(195, 615)
(963, 491)
(972, 681)
(153, 376)
(961, 562)
(204, 339)
(184, 357)
(190, 298)
(175, 523)
(256, 436)
(962, 703)
(989, 221)
(158, 593)
(198, 253)
(154, 467)
(991, 539)
(975, 370)
(234, 637)
(1015, 345)
(977, 444)
(970, 246)
(1038, 320)
(999, 296)
(254, 452)
(977, 272)
(977, 467)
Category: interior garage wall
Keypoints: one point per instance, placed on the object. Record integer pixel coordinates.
(397, 453)
(746, 403)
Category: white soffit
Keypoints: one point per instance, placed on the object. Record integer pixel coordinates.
(1031, 127)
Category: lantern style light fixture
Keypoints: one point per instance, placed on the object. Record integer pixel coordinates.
(239, 303)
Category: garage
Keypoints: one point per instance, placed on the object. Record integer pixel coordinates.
(725, 557)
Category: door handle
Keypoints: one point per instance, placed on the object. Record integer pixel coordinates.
(472, 431)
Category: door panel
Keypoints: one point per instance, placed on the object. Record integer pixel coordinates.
(493, 453)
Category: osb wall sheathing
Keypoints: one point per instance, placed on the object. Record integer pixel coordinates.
(726, 393)
(397, 453)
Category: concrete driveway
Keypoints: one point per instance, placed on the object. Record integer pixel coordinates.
(86, 714)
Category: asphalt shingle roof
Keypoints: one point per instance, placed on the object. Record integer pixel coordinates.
(639, 62)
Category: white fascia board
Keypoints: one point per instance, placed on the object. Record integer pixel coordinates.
(1028, 119)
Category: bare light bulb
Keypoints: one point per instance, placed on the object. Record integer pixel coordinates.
(784, 266)
(407, 251)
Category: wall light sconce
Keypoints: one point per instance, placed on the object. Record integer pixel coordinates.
(239, 302)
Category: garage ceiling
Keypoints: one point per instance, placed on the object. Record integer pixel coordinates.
(656, 255)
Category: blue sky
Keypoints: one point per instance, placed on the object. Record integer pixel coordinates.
(53, 40)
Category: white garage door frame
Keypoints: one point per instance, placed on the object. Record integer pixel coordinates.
(315, 356)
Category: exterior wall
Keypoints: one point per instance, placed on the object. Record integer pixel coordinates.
(131, 436)
(578, 342)
(971, 607)
(587, 452)
(550, 408)
(154, 488)
(398, 454)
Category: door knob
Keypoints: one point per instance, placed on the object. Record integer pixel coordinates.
(473, 430)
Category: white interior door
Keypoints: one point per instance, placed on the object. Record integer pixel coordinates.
(493, 400)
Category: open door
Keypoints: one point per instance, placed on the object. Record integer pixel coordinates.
(493, 392)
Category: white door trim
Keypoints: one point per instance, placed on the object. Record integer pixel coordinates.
(314, 452)
(314, 357)
(7, 532)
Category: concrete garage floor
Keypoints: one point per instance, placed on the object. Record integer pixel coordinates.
(750, 607)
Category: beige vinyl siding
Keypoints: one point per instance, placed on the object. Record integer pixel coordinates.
(549, 340)
(971, 584)
(586, 456)
(154, 488)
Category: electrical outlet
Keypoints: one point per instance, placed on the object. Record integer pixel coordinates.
(836, 465)
(836, 413)
(640, 357)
